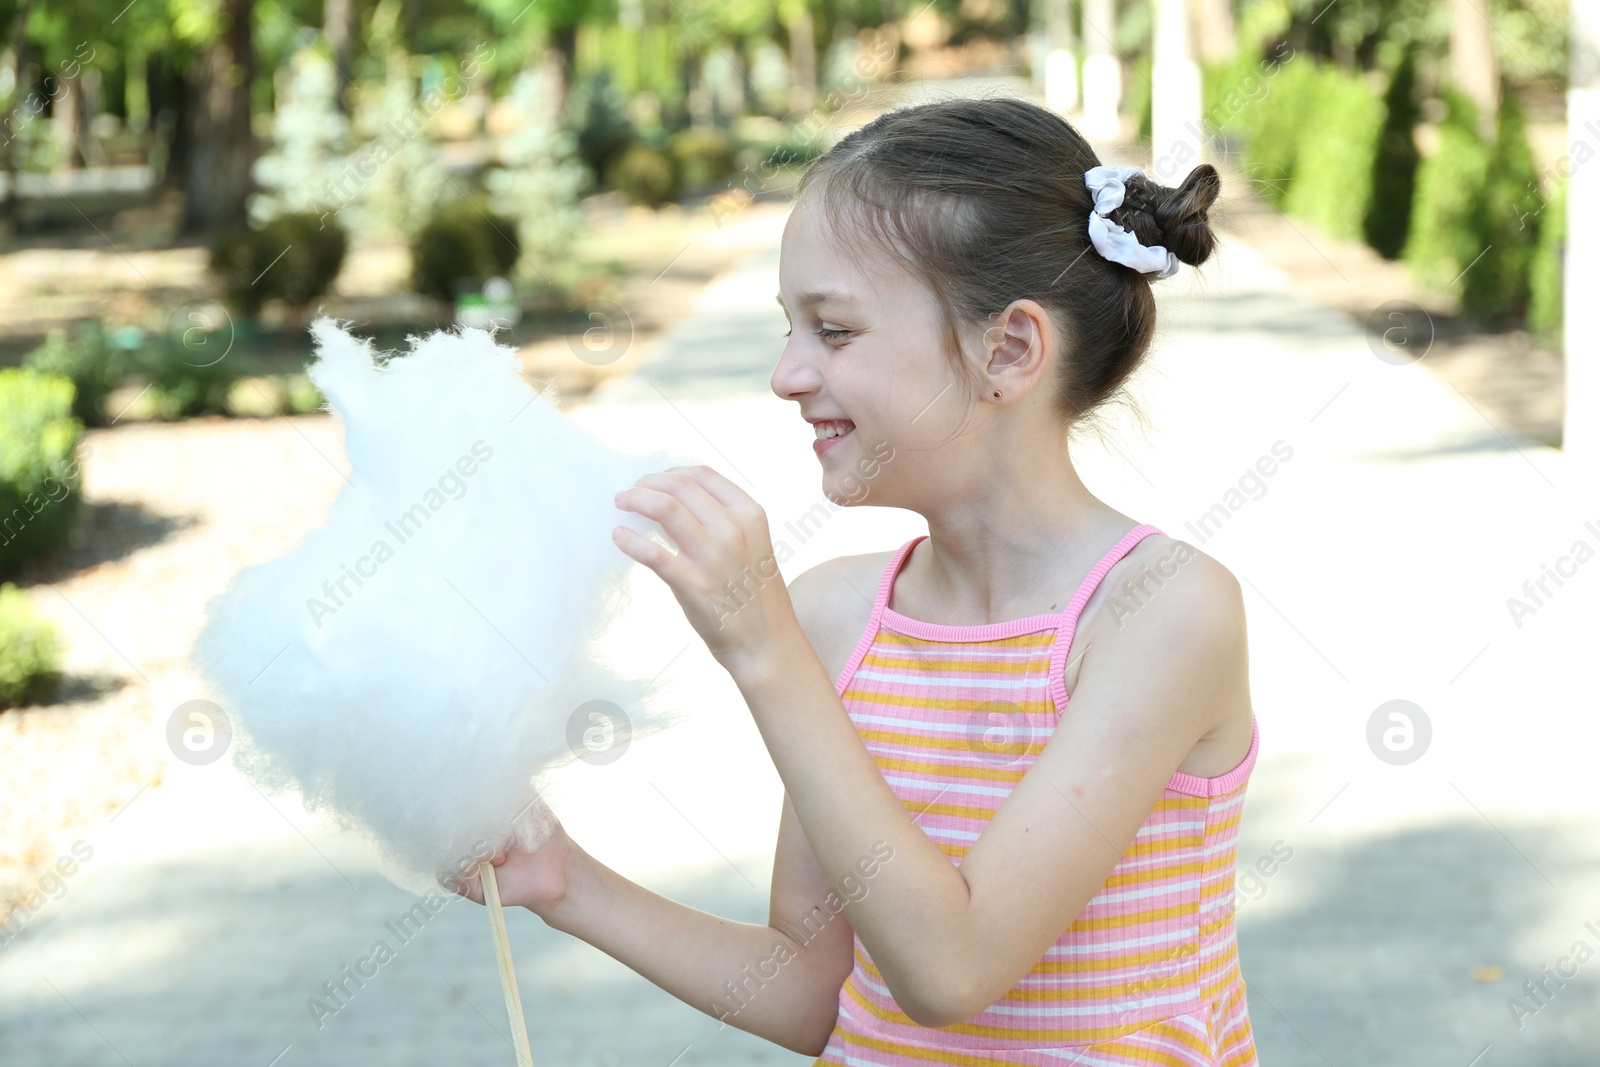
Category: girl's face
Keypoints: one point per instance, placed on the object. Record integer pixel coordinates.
(866, 352)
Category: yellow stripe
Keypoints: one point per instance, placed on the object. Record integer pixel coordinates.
(1038, 706)
(1041, 639)
(918, 669)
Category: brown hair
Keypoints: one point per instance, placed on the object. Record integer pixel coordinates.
(984, 201)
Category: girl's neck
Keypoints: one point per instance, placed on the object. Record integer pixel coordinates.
(1010, 550)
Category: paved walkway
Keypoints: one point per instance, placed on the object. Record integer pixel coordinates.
(1377, 560)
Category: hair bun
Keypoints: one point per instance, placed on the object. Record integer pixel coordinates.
(1174, 218)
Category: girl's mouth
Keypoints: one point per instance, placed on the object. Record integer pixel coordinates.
(830, 433)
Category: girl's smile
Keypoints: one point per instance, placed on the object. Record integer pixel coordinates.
(830, 432)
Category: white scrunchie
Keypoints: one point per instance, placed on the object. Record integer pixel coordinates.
(1112, 241)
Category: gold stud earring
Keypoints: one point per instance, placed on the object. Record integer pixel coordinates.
(997, 394)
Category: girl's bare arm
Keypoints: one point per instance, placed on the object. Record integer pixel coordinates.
(779, 981)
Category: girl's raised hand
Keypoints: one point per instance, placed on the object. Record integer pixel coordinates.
(534, 880)
(724, 574)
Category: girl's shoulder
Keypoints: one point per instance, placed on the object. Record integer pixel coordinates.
(833, 601)
(1164, 575)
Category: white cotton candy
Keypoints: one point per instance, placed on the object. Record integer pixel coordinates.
(419, 703)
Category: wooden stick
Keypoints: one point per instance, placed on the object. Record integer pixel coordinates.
(508, 975)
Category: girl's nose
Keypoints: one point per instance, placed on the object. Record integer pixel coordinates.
(794, 377)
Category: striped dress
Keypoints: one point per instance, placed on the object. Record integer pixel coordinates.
(1148, 973)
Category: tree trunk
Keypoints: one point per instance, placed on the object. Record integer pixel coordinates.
(91, 102)
(802, 58)
(170, 111)
(1061, 59)
(564, 42)
(8, 159)
(222, 149)
(66, 119)
(339, 29)
(1580, 313)
(1215, 37)
(1102, 71)
(1174, 96)
(1472, 62)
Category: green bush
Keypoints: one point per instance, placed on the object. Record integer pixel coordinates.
(603, 129)
(1443, 237)
(1497, 286)
(1259, 101)
(295, 257)
(313, 250)
(1228, 90)
(462, 246)
(1337, 140)
(644, 175)
(1546, 279)
(39, 476)
(1469, 233)
(30, 652)
(236, 262)
(704, 156)
(302, 396)
(182, 386)
(1394, 165)
(1275, 130)
(86, 356)
(1140, 99)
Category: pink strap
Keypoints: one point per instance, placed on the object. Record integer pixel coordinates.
(870, 633)
(1069, 617)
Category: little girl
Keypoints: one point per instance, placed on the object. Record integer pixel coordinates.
(1015, 748)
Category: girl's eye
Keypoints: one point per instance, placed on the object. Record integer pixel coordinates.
(827, 334)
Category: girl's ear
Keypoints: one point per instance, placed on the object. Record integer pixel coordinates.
(1016, 347)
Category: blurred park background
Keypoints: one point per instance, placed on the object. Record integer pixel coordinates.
(185, 183)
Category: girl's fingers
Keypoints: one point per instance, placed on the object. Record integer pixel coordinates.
(675, 518)
(709, 511)
(666, 564)
(724, 491)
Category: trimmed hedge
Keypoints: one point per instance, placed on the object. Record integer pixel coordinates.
(1469, 235)
(39, 476)
(1318, 143)
(30, 652)
(703, 156)
(1340, 124)
(1498, 286)
(461, 247)
(1443, 238)
(1266, 105)
(1546, 279)
(1394, 164)
(645, 175)
(295, 257)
